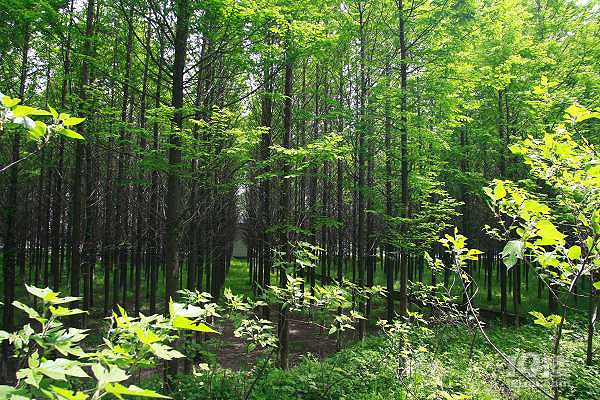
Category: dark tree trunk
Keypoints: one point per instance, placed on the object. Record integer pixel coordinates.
(155, 198)
(182, 12)
(361, 214)
(265, 152)
(284, 204)
(388, 260)
(122, 216)
(403, 152)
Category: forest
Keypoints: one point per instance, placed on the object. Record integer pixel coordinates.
(299, 199)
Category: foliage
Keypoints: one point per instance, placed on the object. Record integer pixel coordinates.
(14, 114)
(557, 223)
(54, 364)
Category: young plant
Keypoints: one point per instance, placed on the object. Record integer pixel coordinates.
(53, 364)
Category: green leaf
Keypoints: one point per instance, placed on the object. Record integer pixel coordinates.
(574, 252)
(499, 191)
(22, 111)
(147, 337)
(10, 102)
(594, 171)
(63, 300)
(165, 352)
(68, 394)
(117, 389)
(38, 130)
(30, 377)
(72, 134)
(63, 311)
(535, 207)
(550, 322)
(597, 285)
(181, 322)
(33, 314)
(44, 294)
(549, 235)
(512, 252)
(5, 391)
(72, 121)
(53, 112)
(111, 375)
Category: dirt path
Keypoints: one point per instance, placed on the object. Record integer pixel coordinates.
(305, 338)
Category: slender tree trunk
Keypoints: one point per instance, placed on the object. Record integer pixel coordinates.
(266, 120)
(182, 12)
(361, 214)
(154, 197)
(140, 200)
(284, 203)
(76, 216)
(403, 152)
(388, 260)
(122, 216)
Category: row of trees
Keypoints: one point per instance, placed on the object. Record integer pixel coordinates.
(357, 126)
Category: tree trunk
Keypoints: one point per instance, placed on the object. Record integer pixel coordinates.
(361, 214)
(403, 153)
(265, 152)
(284, 204)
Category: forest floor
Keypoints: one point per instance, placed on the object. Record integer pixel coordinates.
(448, 362)
(305, 338)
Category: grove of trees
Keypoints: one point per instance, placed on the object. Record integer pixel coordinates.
(335, 141)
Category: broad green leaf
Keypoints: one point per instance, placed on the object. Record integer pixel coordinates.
(61, 311)
(596, 221)
(72, 121)
(549, 322)
(117, 389)
(597, 285)
(574, 110)
(44, 294)
(72, 134)
(549, 235)
(5, 391)
(53, 112)
(60, 368)
(63, 300)
(38, 130)
(30, 377)
(512, 252)
(10, 102)
(594, 171)
(499, 191)
(147, 337)
(165, 352)
(536, 207)
(111, 375)
(33, 314)
(181, 322)
(22, 111)
(574, 252)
